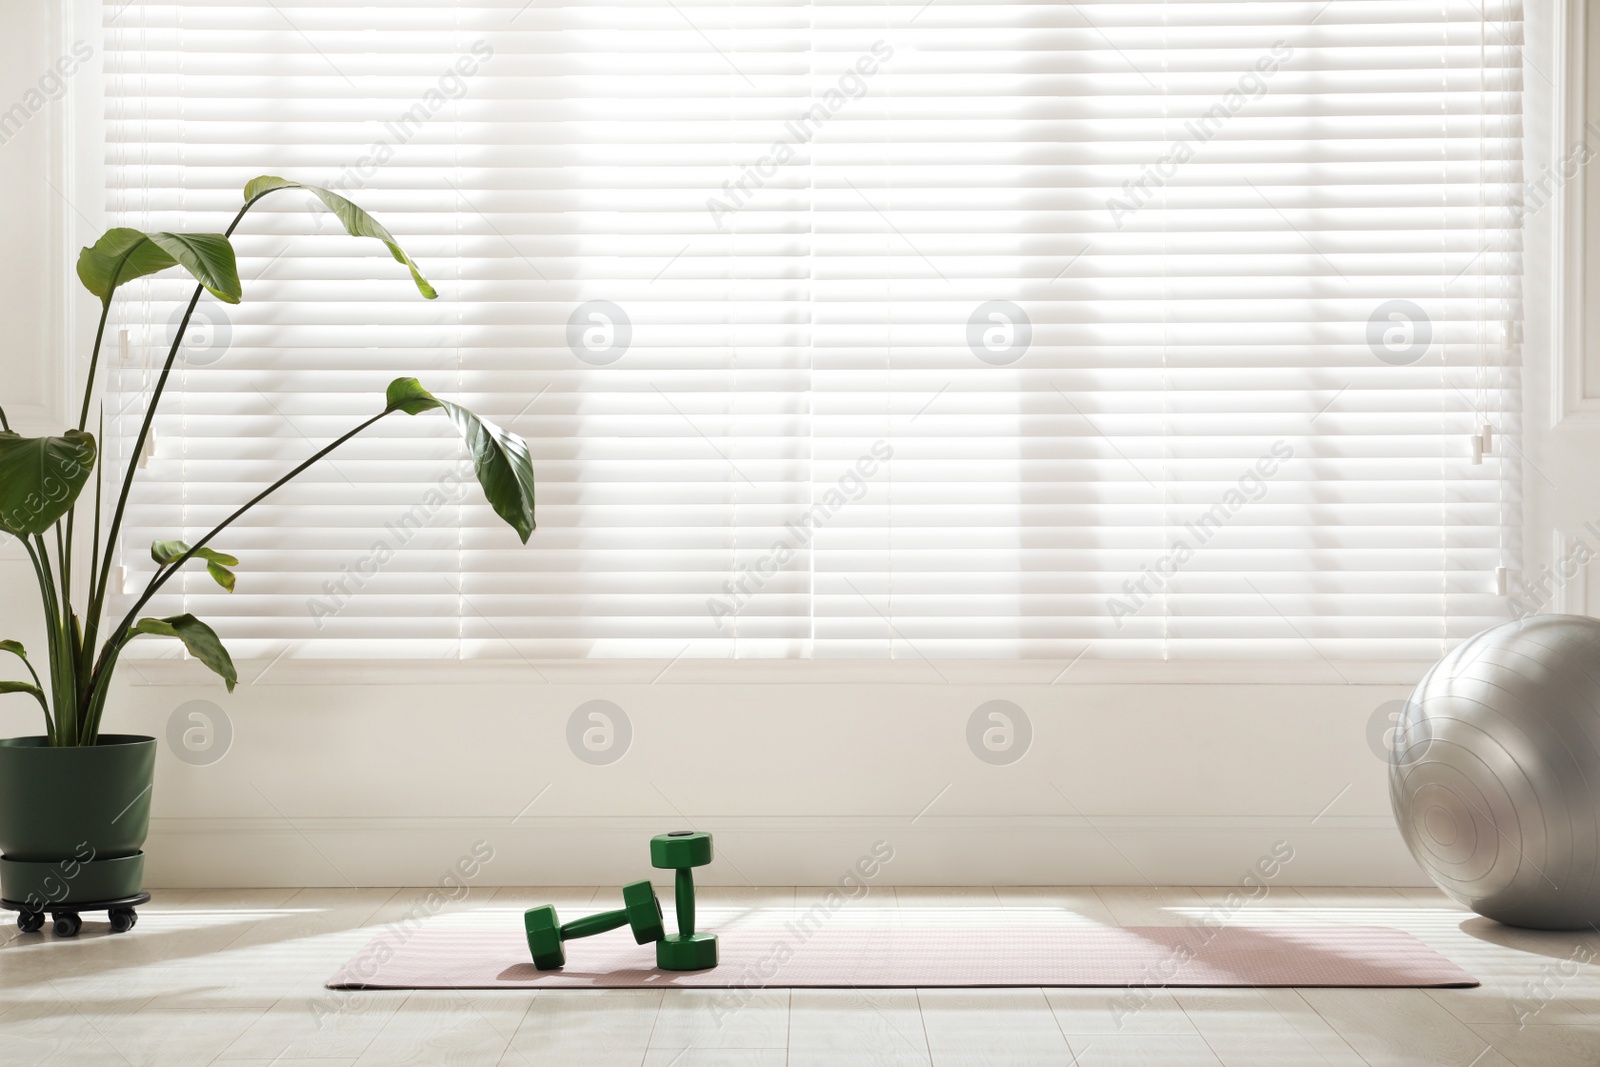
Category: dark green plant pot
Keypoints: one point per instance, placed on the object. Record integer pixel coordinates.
(72, 820)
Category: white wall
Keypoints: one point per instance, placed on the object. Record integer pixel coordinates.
(386, 784)
(30, 263)
(329, 781)
(25, 232)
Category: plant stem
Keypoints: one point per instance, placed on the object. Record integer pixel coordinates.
(50, 635)
(83, 419)
(86, 653)
(94, 359)
(101, 679)
(35, 674)
(99, 495)
(96, 703)
(49, 724)
(97, 588)
(64, 561)
(63, 669)
(59, 648)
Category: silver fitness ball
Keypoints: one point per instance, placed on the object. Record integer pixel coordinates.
(1495, 773)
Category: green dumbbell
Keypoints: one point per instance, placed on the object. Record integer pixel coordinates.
(682, 851)
(641, 911)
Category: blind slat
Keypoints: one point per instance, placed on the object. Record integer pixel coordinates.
(839, 331)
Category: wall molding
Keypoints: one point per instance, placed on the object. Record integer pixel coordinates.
(1575, 397)
(200, 851)
(156, 666)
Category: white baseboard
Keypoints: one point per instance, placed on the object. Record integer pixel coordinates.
(758, 850)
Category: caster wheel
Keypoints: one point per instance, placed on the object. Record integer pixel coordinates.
(123, 919)
(30, 921)
(68, 924)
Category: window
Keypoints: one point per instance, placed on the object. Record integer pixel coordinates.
(944, 330)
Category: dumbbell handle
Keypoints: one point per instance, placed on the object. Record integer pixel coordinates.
(683, 896)
(594, 924)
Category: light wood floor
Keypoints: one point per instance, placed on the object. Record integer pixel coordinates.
(234, 977)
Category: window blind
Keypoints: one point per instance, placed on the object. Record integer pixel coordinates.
(840, 330)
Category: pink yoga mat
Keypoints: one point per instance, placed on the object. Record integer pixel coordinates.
(887, 949)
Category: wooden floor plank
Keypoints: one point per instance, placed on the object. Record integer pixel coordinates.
(991, 1028)
(1402, 1028)
(1137, 905)
(856, 1028)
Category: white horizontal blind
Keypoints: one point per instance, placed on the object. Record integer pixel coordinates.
(1128, 330)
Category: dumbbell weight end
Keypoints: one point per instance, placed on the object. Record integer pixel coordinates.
(544, 938)
(687, 952)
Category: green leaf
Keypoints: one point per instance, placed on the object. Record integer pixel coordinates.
(167, 551)
(32, 690)
(40, 477)
(217, 563)
(357, 222)
(118, 257)
(503, 465)
(200, 639)
(16, 649)
(408, 395)
(22, 687)
(500, 458)
(121, 255)
(224, 577)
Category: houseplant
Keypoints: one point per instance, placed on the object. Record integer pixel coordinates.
(74, 801)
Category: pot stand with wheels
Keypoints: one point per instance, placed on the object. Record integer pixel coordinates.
(72, 823)
(67, 923)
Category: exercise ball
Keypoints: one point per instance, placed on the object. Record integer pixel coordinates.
(1494, 773)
